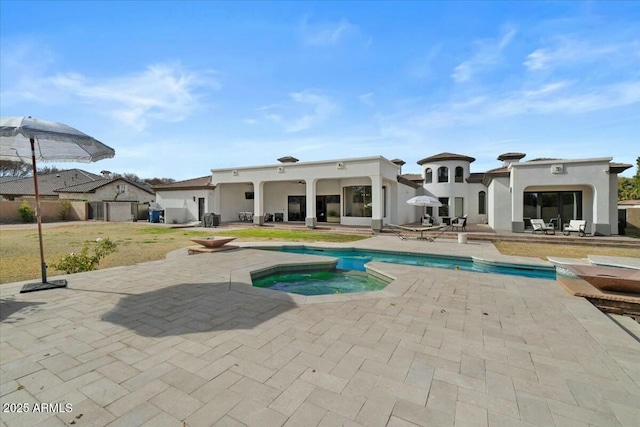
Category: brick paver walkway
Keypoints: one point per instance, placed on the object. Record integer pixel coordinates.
(184, 341)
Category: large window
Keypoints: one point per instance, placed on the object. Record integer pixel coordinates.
(443, 174)
(428, 176)
(357, 201)
(482, 203)
(459, 174)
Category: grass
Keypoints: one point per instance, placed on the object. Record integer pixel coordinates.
(543, 250)
(140, 242)
(137, 242)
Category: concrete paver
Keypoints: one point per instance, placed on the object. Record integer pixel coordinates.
(187, 340)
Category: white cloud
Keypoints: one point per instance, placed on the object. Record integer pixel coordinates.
(366, 98)
(161, 92)
(303, 110)
(488, 53)
(326, 33)
(569, 50)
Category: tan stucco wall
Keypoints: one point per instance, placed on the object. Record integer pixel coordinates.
(49, 210)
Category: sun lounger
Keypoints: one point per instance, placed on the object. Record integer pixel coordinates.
(399, 228)
(540, 227)
(575, 225)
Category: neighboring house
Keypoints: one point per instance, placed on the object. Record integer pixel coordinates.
(185, 201)
(47, 184)
(107, 190)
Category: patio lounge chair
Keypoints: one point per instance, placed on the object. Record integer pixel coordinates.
(399, 228)
(539, 226)
(427, 221)
(576, 225)
(459, 223)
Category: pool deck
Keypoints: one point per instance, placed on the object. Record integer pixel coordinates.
(185, 340)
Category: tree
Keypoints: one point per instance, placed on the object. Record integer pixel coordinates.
(46, 170)
(158, 181)
(629, 188)
(15, 169)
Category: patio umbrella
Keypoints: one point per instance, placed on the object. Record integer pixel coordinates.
(424, 201)
(24, 137)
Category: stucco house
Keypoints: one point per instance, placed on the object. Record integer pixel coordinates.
(108, 189)
(47, 184)
(372, 191)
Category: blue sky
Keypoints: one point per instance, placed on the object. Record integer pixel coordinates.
(179, 88)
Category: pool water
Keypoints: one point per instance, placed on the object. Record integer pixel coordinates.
(319, 283)
(355, 259)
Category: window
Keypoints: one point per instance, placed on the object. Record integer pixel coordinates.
(444, 209)
(482, 203)
(122, 188)
(428, 176)
(357, 201)
(443, 174)
(459, 174)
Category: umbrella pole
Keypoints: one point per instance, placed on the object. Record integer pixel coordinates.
(44, 284)
(43, 265)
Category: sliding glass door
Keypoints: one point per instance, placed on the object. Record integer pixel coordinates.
(556, 207)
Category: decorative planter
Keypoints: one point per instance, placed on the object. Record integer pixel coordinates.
(212, 242)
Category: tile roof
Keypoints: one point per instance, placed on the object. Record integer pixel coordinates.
(202, 182)
(91, 187)
(47, 183)
(446, 156)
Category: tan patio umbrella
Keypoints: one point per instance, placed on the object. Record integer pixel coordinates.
(24, 137)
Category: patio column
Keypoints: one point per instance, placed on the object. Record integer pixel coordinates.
(376, 203)
(258, 202)
(311, 219)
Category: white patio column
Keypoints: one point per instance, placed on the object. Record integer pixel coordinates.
(516, 187)
(258, 202)
(311, 219)
(376, 203)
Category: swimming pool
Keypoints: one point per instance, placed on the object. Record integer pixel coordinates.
(319, 282)
(355, 259)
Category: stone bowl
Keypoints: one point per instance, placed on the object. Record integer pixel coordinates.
(212, 242)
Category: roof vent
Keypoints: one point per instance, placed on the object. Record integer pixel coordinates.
(288, 159)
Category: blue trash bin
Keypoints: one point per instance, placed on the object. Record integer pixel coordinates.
(154, 216)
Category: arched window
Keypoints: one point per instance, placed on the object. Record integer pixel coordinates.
(482, 203)
(459, 174)
(428, 176)
(443, 174)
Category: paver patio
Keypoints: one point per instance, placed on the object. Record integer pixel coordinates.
(182, 340)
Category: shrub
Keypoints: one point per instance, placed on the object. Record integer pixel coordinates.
(65, 206)
(79, 262)
(27, 214)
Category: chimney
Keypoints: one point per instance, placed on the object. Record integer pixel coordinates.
(399, 162)
(508, 158)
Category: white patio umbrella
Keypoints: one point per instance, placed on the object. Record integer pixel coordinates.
(424, 201)
(24, 137)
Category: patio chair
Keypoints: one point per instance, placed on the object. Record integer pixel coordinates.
(459, 223)
(575, 225)
(427, 221)
(242, 216)
(539, 226)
